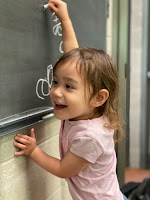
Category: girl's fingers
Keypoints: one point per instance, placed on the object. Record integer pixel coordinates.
(32, 133)
(19, 153)
(25, 143)
(52, 7)
(23, 136)
(54, 2)
(20, 146)
(23, 140)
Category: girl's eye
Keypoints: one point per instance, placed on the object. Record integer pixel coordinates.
(69, 87)
(54, 82)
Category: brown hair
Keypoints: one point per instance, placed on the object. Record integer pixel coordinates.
(98, 71)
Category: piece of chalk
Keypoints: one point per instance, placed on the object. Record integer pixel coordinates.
(45, 6)
(48, 116)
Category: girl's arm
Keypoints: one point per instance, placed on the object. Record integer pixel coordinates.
(68, 34)
(68, 167)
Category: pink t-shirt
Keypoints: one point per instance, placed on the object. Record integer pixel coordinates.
(90, 140)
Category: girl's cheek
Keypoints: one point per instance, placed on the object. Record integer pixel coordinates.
(51, 90)
(51, 94)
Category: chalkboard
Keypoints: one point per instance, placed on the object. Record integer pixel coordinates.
(30, 40)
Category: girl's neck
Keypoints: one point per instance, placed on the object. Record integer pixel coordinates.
(97, 114)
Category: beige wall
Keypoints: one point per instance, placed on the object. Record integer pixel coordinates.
(21, 178)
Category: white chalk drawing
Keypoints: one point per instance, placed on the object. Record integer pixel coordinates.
(61, 47)
(57, 30)
(46, 81)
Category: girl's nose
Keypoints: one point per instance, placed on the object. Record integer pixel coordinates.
(58, 92)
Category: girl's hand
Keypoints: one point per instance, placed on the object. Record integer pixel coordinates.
(27, 144)
(60, 9)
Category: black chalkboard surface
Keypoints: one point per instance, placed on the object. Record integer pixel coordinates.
(30, 40)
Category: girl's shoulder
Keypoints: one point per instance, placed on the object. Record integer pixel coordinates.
(93, 128)
(91, 139)
(100, 121)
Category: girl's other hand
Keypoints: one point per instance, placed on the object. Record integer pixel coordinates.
(60, 9)
(26, 144)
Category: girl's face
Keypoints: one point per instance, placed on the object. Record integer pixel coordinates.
(68, 94)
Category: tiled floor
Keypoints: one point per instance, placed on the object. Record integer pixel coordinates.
(136, 175)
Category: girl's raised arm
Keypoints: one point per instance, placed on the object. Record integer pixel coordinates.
(69, 38)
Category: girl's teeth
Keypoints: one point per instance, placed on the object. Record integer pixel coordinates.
(60, 105)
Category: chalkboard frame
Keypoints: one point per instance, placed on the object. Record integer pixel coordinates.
(25, 120)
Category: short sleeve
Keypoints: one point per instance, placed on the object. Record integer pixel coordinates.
(87, 148)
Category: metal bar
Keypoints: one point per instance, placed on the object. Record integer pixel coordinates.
(27, 119)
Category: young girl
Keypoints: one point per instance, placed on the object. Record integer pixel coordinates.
(84, 92)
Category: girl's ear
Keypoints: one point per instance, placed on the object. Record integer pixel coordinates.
(100, 98)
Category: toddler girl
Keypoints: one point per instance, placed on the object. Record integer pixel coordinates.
(84, 94)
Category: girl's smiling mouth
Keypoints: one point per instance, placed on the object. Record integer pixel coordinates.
(59, 106)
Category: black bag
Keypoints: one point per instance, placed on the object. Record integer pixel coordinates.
(142, 192)
(137, 191)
